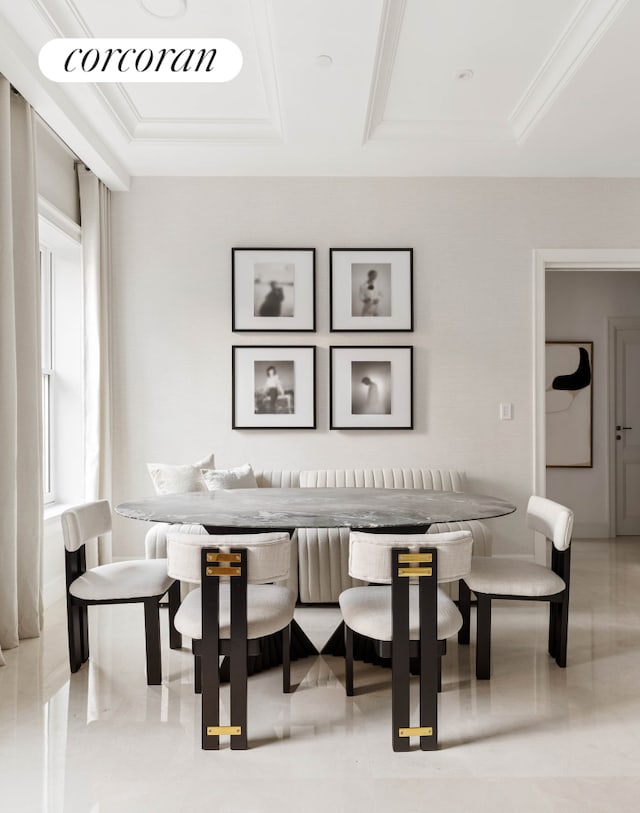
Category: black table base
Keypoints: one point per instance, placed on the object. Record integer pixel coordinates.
(363, 648)
(271, 652)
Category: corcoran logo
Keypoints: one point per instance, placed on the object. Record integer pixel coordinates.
(140, 60)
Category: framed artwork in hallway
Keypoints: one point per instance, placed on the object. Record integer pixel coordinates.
(569, 404)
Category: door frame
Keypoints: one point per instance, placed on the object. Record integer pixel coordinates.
(565, 259)
(615, 323)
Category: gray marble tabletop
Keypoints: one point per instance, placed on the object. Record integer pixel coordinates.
(277, 508)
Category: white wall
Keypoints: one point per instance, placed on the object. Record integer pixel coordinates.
(472, 241)
(578, 304)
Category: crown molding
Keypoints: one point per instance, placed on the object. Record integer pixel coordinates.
(20, 66)
(135, 127)
(587, 27)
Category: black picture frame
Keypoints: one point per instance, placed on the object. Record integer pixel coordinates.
(569, 404)
(290, 403)
(273, 290)
(370, 387)
(371, 290)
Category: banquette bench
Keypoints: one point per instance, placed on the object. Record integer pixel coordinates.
(320, 556)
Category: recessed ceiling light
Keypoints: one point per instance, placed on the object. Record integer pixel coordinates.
(164, 8)
(464, 75)
(324, 61)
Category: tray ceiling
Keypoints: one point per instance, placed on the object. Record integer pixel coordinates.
(357, 87)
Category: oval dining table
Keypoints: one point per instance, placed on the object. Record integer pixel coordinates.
(376, 510)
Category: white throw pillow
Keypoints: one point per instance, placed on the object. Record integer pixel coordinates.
(168, 479)
(240, 477)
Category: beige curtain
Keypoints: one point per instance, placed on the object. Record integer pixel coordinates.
(20, 377)
(96, 271)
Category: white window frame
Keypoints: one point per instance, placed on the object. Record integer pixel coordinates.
(47, 259)
(62, 358)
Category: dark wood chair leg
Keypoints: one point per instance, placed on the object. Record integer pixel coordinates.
(74, 631)
(175, 638)
(207, 664)
(197, 674)
(286, 659)
(210, 690)
(238, 661)
(152, 638)
(400, 710)
(464, 605)
(553, 629)
(348, 660)
(400, 660)
(483, 638)
(84, 632)
(430, 663)
(563, 632)
(77, 615)
(238, 689)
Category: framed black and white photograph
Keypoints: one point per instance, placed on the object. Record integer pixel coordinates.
(371, 289)
(273, 289)
(569, 404)
(371, 387)
(273, 387)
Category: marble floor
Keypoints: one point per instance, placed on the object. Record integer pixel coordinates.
(534, 738)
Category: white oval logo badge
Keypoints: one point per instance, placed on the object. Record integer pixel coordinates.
(140, 60)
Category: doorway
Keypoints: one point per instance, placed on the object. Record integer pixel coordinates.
(612, 260)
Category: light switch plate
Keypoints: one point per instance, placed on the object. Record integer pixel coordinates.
(506, 412)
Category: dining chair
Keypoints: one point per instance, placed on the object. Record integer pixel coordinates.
(411, 618)
(513, 579)
(143, 581)
(237, 603)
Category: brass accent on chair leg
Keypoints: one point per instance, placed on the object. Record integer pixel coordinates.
(419, 731)
(223, 571)
(223, 557)
(404, 558)
(415, 571)
(219, 730)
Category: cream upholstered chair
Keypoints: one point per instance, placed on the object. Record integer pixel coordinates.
(411, 619)
(143, 580)
(236, 604)
(504, 578)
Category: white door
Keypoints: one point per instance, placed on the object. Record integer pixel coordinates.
(627, 417)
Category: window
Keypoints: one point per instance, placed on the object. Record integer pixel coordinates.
(62, 374)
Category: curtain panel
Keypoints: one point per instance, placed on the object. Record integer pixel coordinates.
(20, 377)
(95, 219)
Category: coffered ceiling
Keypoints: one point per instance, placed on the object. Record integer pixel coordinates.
(351, 87)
